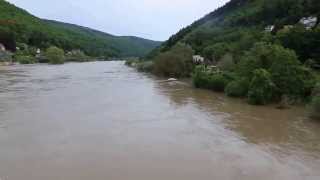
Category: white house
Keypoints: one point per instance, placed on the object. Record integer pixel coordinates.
(38, 51)
(269, 28)
(198, 59)
(309, 22)
(2, 48)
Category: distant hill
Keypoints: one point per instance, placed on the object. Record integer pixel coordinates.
(241, 23)
(26, 28)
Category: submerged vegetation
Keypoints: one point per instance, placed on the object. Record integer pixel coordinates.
(55, 55)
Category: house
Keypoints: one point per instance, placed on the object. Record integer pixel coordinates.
(2, 48)
(269, 28)
(197, 59)
(309, 22)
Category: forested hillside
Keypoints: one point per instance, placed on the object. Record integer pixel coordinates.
(241, 23)
(22, 27)
(265, 50)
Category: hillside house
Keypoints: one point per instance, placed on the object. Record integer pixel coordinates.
(309, 22)
(2, 48)
(197, 59)
(269, 28)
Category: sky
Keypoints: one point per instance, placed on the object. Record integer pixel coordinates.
(150, 19)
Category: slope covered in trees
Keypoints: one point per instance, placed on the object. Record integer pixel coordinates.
(18, 25)
(241, 23)
(265, 50)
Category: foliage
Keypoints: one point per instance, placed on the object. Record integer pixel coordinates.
(226, 63)
(315, 107)
(261, 55)
(238, 88)
(199, 77)
(217, 82)
(145, 66)
(261, 90)
(289, 76)
(55, 55)
(174, 63)
(25, 59)
(5, 56)
(216, 51)
(77, 56)
(304, 42)
(208, 80)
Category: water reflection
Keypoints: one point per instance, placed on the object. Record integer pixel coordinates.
(288, 129)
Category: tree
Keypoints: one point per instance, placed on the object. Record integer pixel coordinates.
(289, 76)
(55, 55)
(216, 51)
(175, 63)
(261, 90)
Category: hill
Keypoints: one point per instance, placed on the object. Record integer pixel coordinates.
(241, 23)
(264, 50)
(26, 28)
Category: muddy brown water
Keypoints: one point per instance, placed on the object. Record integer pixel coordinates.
(105, 121)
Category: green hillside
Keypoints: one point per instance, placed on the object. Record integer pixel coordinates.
(241, 23)
(26, 28)
(264, 50)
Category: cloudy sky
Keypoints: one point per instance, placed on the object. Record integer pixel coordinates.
(151, 19)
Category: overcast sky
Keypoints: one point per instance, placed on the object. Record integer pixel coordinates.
(151, 19)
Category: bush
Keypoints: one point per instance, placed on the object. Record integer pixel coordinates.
(261, 88)
(315, 108)
(217, 82)
(132, 62)
(77, 56)
(226, 63)
(26, 59)
(145, 66)
(216, 51)
(5, 56)
(203, 79)
(316, 90)
(174, 63)
(289, 76)
(55, 55)
(199, 77)
(238, 88)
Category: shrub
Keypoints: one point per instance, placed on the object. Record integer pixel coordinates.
(261, 88)
(216, 51)
(25, 59)
(55, 55)
(132, 62)
(316, 90)
(217, 82)
(145, 66)
(77, 56)
(226, 63)
(174, 63)
(199, 77)
(315, 107)
(208, 80)
(289, 76)
(238, 88)
(5, 56)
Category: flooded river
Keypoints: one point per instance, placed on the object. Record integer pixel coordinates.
(105, 121)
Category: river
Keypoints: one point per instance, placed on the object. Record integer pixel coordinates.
(105, 121)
